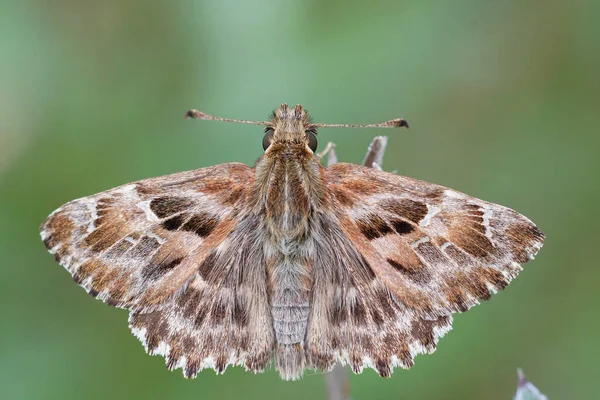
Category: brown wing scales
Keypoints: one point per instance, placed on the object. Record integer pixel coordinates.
(355, 319)
(177, 252)
(437, 250)
(415, 253)
(136, 245)
(393, 257)
(221, 318)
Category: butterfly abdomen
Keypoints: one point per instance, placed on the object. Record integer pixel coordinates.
(290, 284)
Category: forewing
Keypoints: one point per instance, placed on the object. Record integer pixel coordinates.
(437, 250)
(140, 244)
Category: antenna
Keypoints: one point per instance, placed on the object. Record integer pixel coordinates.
(195, 114)
(393, 123)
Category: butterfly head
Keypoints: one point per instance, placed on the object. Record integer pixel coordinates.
(290, 125)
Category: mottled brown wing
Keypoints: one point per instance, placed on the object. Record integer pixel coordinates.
(413, 253)
(138, 245)
(354, 318)
(438, 250)
(223, 316)
(184, 253)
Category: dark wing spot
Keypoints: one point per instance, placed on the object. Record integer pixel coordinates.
(202, 311)
(173, 223)
(105, 202)
(144, 247)
(173, 359)
(208, 264)
(377, 317)
(458, 256)
(165, 206)
(338, 315)
(119, 248)
(383, 368)
(157, 328)
(417, 275)
(156, 271)
(472, 208)
(385, 302)
(372, 226)
(422, 331)
(369, 231)
(402, 227)
(431, 253)
(187, 298)
(192, 368)
(146, 190)
(240, 314)
(359, 314)
(202, 224)
(397, 266)
(218, 312)
(408, 209)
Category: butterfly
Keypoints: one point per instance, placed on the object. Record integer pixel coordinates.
(289, 262)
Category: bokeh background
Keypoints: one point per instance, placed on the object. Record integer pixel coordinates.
(503, 101)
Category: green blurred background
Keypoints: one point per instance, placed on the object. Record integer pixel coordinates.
(503, 101)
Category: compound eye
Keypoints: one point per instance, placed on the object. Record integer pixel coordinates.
(312, 139)
(268, 138)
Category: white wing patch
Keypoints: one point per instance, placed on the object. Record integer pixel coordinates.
(487, 215)
(145, 207)
(432, 211)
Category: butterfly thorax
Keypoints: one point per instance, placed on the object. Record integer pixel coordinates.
(289, 187)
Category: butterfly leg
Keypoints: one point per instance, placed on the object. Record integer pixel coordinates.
(330, 146)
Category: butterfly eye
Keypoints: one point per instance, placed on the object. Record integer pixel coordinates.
(311, 135)
(267, 138)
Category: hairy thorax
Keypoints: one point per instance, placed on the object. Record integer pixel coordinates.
(289, 188)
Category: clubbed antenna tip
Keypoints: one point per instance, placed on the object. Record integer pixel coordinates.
(398, 123)
(195, 114)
